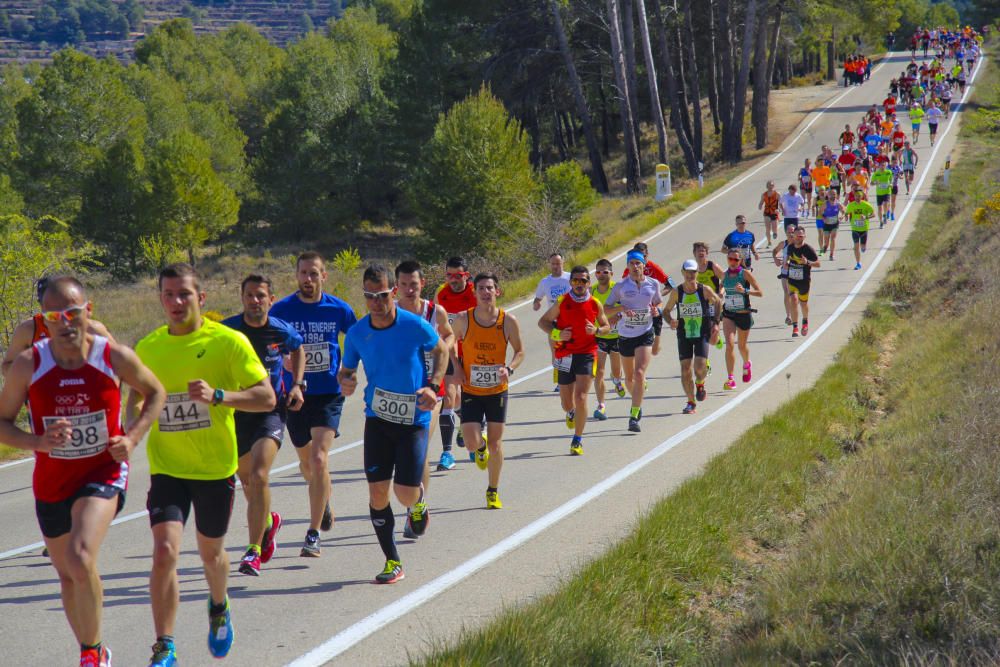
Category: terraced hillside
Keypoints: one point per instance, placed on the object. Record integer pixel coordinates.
(279, 20)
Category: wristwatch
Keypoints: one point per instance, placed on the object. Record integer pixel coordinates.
(510, 371)
(218, 396)
(436, 388)
(301, 383)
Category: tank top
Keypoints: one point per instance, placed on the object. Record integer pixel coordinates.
(41, 331)
(90, 398)
(575, 314)
(771, 203)
(428, 314)
(692, 312)
(708, 277)
(485, 353)
(831, 211)
(603, 298)
(734, 301)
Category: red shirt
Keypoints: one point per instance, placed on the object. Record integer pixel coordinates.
(575, 314)
(456, 302)
(898, 137)
(90, 397)
(846, 138)
(41, 330)
(890, 105)
(652, 270)
(847, 160)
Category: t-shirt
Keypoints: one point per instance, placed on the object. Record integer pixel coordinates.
(790, 204)
(394, 365)
(637, 297)
(821, 175)
(320, 324)
(848, 160)
(193, 440)
(552, 287)
(456, 302)
(271, 342)
(858, 212)
(882, 178)
(872, 143)
(744, 241)
(798, 262)
(934, 115)
(916, 115)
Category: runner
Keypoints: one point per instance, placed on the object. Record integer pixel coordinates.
(800, 261)
(633, 302)
(410, 283)
(209, 371)
(916, 117)
(455, 296)
(572, 323)
(259, 434)
(743, 241)
(897, 171)
(654, 271)
(934, 115)
(737, 316)
(832, 211)
(791, 205)
(908, 160)
(709, 273)
(607, 344)
(693, 325)
(819, 206)
(847, 136)
(399, 396)
(769, 204)
(550, 288)
(859, 212)
(71, 383)
(487, 331)
(806, 185)
(319, 318)
(882, 178)
(782, 249)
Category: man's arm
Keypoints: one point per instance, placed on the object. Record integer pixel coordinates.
(444, 328)
(20, 341)
(297, 360)
(258, 397)
(513, 333)
(144, 383)
(15, 392)
(604, 327)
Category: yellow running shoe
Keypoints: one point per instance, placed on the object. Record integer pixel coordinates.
(493, 501)
(571, 419)
(482, 457)
(576, 448)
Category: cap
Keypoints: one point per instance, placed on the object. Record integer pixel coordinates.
(689, 265)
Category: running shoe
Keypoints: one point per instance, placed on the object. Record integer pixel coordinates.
(250, 564)
(633, 425)
(747, 372)
(576, 447)
(310, 548)
(795, 331)
(93, 657)
(689, 409)
(857, 267)
(719, 344)
(571, 419)
(729, 384)
(699, 392)
(220, 632)
(459, 440)
(805, 329)
(408, 530)
(600, 412)
(788, 320)
(268, 544)
(482, 457)
(822, 251)
(391, 573)
(446, 462)
(619, 388)
(327, 522)
(881, 223)
(493, 500)
(164, 655)
(831, 256)
(419, 517)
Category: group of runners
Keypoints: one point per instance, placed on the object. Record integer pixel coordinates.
(214, 399)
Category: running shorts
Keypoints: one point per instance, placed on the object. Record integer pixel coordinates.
(394, 451)
(688, 348)
(881, 199)
(831, 227)
(819, 223)
(860, 237)
(607, 345)
(170, 499)
(916, 126)
(627, 346)
(492, 407)
(252, 426)
(318, 411)
(806, 187)
(56, 519)
(578, 364)
(895, 189)
(791, 221)
(799, 288)
(743, 321)
(932, 127)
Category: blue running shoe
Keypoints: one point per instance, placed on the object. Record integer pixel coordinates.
(447, 461)
(164, 655)
(220, 632)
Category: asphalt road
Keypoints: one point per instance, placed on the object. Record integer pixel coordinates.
(558, 511)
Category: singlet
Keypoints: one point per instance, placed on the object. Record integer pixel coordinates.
(456, 302)
(906, 160)
(708, 277)
(394, 365)
(576, 315)
(428, 314)
(798, 262)
(485, 353)
(771, 203)
(603, 298)
(640, 298)
(192, 440)
(271, 342)
(90, 398)
(320, 325)
(805, 176)
(41, 331)
(831, 212)
(693, 313)
(734, 302)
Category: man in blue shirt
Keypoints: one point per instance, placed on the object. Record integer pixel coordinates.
(259, 434)
(873, 143)
(399, 399)
(742, 240)
(319, 318)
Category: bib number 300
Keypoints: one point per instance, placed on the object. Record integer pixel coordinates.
(393, 407)
(89, 436)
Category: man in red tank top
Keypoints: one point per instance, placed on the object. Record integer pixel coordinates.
(455, 296)
(71, 382)
(573, 323)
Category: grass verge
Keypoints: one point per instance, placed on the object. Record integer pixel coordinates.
(858, 523)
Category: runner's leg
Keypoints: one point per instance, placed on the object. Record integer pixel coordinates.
(164, 592)
(254, 472)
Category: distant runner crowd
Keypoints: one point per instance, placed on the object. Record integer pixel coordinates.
(215, 399)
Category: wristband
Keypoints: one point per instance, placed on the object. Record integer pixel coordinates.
(218, 396)
(555, 334)
(510, 371)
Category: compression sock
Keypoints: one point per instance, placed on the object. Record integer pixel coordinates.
(447, 422)
(634, 412)
(384, 524)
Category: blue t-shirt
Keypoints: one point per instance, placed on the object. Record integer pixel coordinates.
(394, 365)
(271, 342)
(319, 324)
(740, 240)
(872, 143)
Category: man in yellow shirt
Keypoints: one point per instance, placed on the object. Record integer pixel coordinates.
(208, 371)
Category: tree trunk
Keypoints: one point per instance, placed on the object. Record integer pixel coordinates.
(831, 54)
(758, 108)
(694, 84)
(557, 136)
(724, 40)
(713, 66)
(628, 43)
(633, 170)
(654, 89)
(605, 120)
(772, 56)
(732, 143)
(676, 110)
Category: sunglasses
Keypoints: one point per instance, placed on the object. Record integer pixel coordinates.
(579, 281)
(458, 274)
(602, 272)
(71, 314)
(382, 296)
(734, 260)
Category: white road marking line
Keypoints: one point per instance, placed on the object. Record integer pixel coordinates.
(350, 636)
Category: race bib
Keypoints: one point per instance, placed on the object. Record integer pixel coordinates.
(563, 363)
(638, 318)
(451, 318)
(393, 407)
(734, 302)
(89, 436)
(796, 272)
(485, 377)
(429, 363)
(317, 357)
(745, 252)
(690, 311)
(182, 414)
